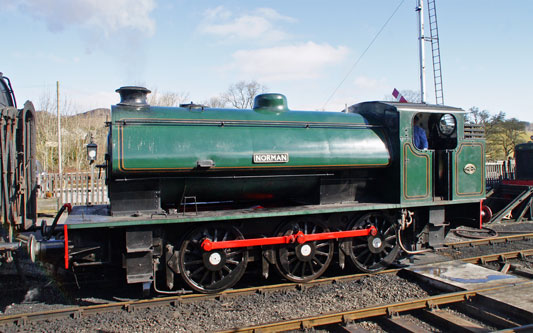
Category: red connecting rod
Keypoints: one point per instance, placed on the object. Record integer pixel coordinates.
(299, 237)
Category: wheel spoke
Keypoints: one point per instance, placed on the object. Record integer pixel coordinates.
(310, 264)
(368, 257)
(198, 270)
(230, 261)
(298, 263)
(317, 261)
(194, 262)
(388, 239)
(292, 260)
(321, 253)
(233, 254)
(204, 277)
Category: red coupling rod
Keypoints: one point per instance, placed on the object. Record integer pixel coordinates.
(299, 237)
(209, 245)
(302, 238)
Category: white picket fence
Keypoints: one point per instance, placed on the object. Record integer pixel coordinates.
(74, 188)
(495, 172)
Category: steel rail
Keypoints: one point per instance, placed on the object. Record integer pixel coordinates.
(519, 254)
(79, 311)
(490, 240)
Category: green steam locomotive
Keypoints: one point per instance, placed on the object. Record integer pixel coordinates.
(197, 194)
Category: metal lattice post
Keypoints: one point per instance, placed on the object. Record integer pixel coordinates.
(435, 52)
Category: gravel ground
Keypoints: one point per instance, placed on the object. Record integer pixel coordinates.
(211, 315)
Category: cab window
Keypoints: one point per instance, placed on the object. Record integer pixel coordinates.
(442, 131)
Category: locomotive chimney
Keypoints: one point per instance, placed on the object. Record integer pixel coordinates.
(133, 96)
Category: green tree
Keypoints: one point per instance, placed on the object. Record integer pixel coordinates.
(501, 134)
(508, 134)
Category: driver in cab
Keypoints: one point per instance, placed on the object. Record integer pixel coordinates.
(419, 135)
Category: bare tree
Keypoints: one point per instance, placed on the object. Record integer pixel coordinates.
(167, 98)
(215, 102)
(411, 96)
(241, 94)
(76, 131)
(477, 117)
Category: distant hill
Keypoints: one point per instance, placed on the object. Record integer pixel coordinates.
(77, 131)
(101, 112)
(97, 113)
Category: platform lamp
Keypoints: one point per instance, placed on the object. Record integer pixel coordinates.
(92, 150)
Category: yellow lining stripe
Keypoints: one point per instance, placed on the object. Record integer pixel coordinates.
(409, 145)
(123, 168)
(481, 173)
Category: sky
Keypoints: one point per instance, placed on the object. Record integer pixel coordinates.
(320, 54)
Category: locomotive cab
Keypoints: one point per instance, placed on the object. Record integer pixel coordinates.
(438, 133)
(449, 166)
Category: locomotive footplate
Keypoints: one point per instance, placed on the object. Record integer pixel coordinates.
(98, 216)
(299, 238)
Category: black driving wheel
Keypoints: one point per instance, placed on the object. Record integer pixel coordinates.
(212, 271)
(374, 253)
(307, 261)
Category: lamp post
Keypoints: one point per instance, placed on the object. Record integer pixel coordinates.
(92, 151)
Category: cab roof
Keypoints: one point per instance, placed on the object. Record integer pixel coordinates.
(414, 107)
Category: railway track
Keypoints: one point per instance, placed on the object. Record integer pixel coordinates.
(391, 316)
(132, 305)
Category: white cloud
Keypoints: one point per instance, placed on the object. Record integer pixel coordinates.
(48, 57)
(99, 16)
(274, 15)
(294, 62)
(366, 82)
(261, 23)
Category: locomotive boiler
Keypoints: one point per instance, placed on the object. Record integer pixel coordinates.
(267, 154)
(197, 193)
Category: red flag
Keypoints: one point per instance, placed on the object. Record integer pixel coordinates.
(398, 96)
